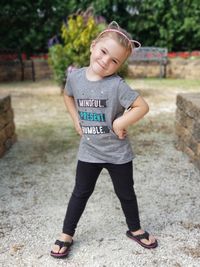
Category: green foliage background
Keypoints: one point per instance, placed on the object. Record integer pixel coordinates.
(27, 25)
(77, 36)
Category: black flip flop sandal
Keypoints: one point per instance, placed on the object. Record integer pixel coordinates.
(138, 238)
(62, 244)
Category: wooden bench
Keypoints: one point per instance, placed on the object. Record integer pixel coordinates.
(151, 54)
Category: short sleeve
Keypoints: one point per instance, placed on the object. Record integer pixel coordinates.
(126, 94)
(68, 87)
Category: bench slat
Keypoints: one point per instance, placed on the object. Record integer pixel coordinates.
(151, 54)
(157, 54)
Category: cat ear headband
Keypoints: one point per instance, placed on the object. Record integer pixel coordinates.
(114, 27)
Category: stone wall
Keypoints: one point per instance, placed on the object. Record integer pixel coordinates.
(42, 70)
(144, 70)
(31, 70)
(7, 126)
(176, 68)
(188, 125)
(10, 71)
(39, 69)
(183, 68)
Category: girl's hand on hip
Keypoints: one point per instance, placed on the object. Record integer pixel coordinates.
(120, 132)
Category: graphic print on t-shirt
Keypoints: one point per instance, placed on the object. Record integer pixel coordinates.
(92, 116)
(92, 103)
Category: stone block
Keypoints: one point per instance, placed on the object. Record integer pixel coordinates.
(2, 150)
(189, 103)
(198, 150)
(2, 136)
(5, 103)
(190, 153)
(184, 119)
(144, 69)
(182, 132)
(187, 125)
(5, 118)
(196, 130)
(10, 129)
(7, 126)
(193, 145)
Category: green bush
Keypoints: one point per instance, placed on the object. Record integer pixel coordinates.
(76, 36)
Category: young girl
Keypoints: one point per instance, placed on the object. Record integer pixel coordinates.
(102, 106)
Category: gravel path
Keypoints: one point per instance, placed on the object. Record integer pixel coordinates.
(37, 179)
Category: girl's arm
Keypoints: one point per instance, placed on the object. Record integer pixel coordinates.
(71, 107)
(137, 111)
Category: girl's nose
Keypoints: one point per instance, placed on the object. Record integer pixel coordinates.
(105, 59)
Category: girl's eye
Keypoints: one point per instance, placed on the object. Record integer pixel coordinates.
(103, 51)
(114, 61)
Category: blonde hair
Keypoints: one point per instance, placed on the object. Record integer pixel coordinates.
(120, 35)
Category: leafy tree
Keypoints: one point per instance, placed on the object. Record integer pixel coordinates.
(27, 25)
(174, 24)
(168, 23)
(77, 36)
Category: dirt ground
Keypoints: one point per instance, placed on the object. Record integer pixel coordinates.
(37, 177)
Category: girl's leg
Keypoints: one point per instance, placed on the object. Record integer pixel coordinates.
(86, 177)
(122, 178)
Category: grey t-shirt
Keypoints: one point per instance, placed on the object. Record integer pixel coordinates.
(98, 104)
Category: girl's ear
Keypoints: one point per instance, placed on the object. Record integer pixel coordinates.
(92, 45)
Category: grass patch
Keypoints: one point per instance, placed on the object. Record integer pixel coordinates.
(162, 84)
(48, 137)
(153, 124)
(145, 134)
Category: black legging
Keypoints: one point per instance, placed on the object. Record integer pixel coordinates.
(86, 177)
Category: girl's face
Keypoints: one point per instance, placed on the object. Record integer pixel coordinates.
(106, 57)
